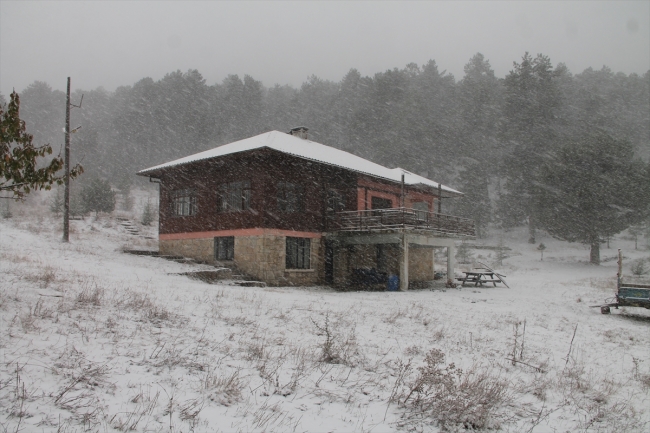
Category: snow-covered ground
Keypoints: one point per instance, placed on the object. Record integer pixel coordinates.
(93, 339)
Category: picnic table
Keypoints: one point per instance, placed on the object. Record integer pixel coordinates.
(480, 277)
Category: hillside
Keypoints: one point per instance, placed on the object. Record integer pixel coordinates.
(93, 339)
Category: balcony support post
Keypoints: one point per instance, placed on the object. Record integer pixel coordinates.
(404, 263)
(450, 262)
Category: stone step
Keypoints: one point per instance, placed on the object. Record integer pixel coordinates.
(210, 276)
(170, 257)
(142, 252)
(245, 283)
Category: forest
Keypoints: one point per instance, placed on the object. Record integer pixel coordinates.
(540, 146)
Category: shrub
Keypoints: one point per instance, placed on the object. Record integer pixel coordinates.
(444, 393)
(638, 267)
(6, 211)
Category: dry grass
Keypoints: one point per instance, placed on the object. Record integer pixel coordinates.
(443, 393)
(224, 388)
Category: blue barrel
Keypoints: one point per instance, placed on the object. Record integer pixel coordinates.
(393, 283)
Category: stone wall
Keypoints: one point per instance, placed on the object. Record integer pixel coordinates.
(420, 263)
(199, 249)
(258, 257)
(263, 258)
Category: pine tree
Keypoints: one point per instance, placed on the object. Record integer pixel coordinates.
(6, 211)
(475, 203)
(56, 202)
(21, 163)
(97, 196)
(532, 100)
(464, 255)
(147, 214)
(591, 189)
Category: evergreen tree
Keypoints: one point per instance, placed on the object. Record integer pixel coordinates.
(475, 203)
(591, 189)
(124, 187)
(480, 107)
(464, 254)
(6, 211)
(23, 166)
(147, 214)
(97, 196)
(532, 101)
(56, 202)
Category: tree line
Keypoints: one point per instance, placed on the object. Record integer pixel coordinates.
(539, 143)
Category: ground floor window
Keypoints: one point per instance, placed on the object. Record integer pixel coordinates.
(298, 253)
(224, 248)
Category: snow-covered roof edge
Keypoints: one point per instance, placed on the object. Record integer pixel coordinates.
(305, 149)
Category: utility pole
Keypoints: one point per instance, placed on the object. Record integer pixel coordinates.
(66, 197)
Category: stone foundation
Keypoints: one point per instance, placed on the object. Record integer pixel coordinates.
(258, 257)
(262, 257)
(199, 249)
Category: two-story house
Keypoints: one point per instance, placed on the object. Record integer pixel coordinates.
(290, 211)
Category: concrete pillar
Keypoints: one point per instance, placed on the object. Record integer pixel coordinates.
(433, 263)
(404, 263)
(451, 252)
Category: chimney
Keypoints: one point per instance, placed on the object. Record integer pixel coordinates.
(299, 131)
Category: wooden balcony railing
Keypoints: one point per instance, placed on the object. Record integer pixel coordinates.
(401, 218)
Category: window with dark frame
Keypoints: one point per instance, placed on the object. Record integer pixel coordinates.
(224, 248)
(421, 209)
(335, 201)
(380, 203)
(298, 253)
(184, 202)
(290, 197)
(234, 196)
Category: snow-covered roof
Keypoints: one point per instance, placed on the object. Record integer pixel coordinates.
(305, 149)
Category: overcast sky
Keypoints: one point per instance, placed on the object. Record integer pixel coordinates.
(109, 44)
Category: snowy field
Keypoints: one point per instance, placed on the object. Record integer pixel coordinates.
(96, 340)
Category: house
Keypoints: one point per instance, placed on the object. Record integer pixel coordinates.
(290, 211)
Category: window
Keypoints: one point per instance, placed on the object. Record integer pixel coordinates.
(335, 201)
(290, 197)
(381, 203)
(224, 248)
(298, 253)
(234, 196)
(378, 203)
(421, 209)
(184, 202)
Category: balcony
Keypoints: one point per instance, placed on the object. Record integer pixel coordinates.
(401, 219)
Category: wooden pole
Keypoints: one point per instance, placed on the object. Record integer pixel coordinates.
(402, 196)
(619, 275)
(66, 198)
